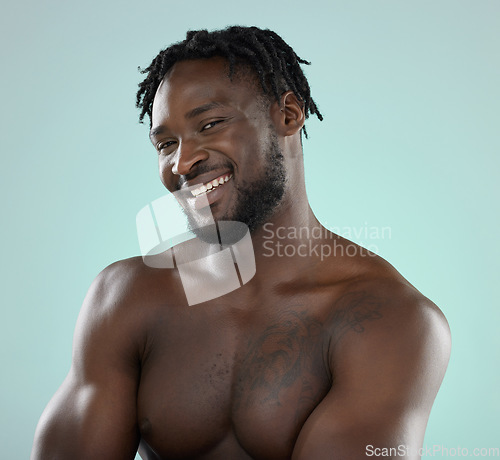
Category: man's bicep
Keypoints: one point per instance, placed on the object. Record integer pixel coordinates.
(87, 420)
(385, 380)
(93, 414)
(336, 430)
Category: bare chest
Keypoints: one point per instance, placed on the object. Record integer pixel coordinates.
(214, 386)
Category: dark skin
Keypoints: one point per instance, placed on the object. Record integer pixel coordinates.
(311, 359)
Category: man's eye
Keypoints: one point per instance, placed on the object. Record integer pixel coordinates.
(165, 145)
(210, 125)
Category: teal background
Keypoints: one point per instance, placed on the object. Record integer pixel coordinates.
(410, 93)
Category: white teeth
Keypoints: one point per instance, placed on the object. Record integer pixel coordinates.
(209, 186)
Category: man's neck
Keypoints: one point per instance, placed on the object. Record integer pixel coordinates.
(282, 246)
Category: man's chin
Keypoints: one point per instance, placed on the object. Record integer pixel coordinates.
(207, 233)
(222, 232)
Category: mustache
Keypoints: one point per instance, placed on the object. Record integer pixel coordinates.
(202, 168)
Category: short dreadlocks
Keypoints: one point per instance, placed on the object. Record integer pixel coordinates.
(275, 63)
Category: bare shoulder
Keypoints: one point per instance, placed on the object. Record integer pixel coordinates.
(123, 300)
(130, 284)
(374, 296)
(388, 351)
(121, 279)
(93, 414)
(379, 299)
(382, 325)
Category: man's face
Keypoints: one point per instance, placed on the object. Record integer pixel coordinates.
(216, 137)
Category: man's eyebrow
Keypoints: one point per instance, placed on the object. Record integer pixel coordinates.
(203, 108)
(189, 115)
(155, 131)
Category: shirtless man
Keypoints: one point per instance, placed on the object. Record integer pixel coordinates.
(315, 358)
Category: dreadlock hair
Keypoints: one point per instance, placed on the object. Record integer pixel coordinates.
(274, 62)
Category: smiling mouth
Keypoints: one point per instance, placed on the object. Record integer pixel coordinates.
(211, 185)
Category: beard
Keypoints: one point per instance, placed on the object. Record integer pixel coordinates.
(256, 201)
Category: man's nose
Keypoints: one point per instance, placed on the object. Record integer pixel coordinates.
(187, 155)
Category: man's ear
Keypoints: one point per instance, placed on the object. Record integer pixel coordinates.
(288, 115)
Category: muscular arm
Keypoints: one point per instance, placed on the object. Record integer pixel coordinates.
(387, 366)
(93, 414)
